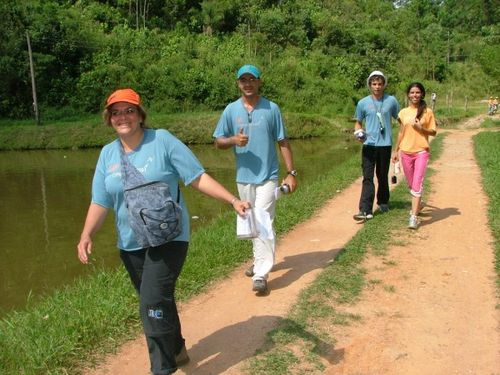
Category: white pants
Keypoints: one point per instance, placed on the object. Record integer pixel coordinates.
(262, 196)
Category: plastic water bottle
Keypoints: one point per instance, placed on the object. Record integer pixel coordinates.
(285, 189)
(394, 178)
(360, 135)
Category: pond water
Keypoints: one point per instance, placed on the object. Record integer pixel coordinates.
(44, 198)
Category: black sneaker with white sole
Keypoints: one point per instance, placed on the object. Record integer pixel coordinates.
(182, 357)
(362, 216)
(383, 208)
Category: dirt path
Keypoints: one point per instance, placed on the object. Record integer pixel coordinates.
(440, 319)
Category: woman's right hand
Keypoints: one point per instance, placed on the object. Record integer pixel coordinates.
(84, 249)
(95, 219)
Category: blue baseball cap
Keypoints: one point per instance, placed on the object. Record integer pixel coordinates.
(250, 69)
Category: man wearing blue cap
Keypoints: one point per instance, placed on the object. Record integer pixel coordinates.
(251, 126)
(375, 111)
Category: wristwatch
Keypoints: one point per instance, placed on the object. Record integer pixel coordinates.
(293, 172)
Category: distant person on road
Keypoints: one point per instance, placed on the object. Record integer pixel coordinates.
(490, 105)
(417, 123)
(433, 100)
(375, 112)
(155, 155)
(251, 126)
(495, 104)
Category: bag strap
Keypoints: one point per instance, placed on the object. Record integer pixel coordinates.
(132, 177)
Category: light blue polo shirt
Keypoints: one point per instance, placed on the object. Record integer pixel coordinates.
(159, 157)
(366, 111)
(258, 161)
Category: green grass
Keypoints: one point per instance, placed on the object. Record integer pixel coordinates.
(191, 128)
(450, 117)
(100, 311)
(490, 122)
(488, 156)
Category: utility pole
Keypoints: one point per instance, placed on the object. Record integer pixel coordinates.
(448, 51)
(33, 86)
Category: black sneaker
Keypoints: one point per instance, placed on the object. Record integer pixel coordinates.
(383, 207)
(259, 286)
(182, 358)
(249, 271)
(362, 216)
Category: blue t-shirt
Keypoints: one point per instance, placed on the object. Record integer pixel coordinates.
(366, 111)
(159, 157)
(258, 160)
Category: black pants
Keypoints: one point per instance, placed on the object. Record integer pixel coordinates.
(154, 272)
(374, 160)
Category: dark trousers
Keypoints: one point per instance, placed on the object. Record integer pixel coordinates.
(374, 160)
(154, 272)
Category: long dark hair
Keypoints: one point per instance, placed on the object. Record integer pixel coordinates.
(422, 105)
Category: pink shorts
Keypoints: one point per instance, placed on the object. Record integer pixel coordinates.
(414, 167)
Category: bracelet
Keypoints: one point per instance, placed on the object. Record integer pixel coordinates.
(234, 200)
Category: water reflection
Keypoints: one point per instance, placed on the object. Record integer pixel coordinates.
(44, 197)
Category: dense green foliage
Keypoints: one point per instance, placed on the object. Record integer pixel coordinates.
(182, 55)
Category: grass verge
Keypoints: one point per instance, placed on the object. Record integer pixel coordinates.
(488, 156)
(191, 128)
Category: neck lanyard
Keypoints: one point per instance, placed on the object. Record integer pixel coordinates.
(379, 113)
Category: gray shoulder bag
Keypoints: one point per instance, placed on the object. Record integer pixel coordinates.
(154, 216)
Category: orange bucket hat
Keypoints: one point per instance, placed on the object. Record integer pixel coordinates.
(124, 95)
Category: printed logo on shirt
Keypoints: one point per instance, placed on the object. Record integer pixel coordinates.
(155, 314)
(145, 167)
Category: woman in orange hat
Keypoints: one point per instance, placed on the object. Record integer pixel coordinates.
(159, 156)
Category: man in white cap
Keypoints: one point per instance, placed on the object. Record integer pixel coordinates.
(374, 112)
(251, 126)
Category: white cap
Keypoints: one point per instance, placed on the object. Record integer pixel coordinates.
(376, 73)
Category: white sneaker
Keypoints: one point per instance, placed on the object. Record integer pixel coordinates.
(413, 223)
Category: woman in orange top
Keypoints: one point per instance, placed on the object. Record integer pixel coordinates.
(417, 123)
